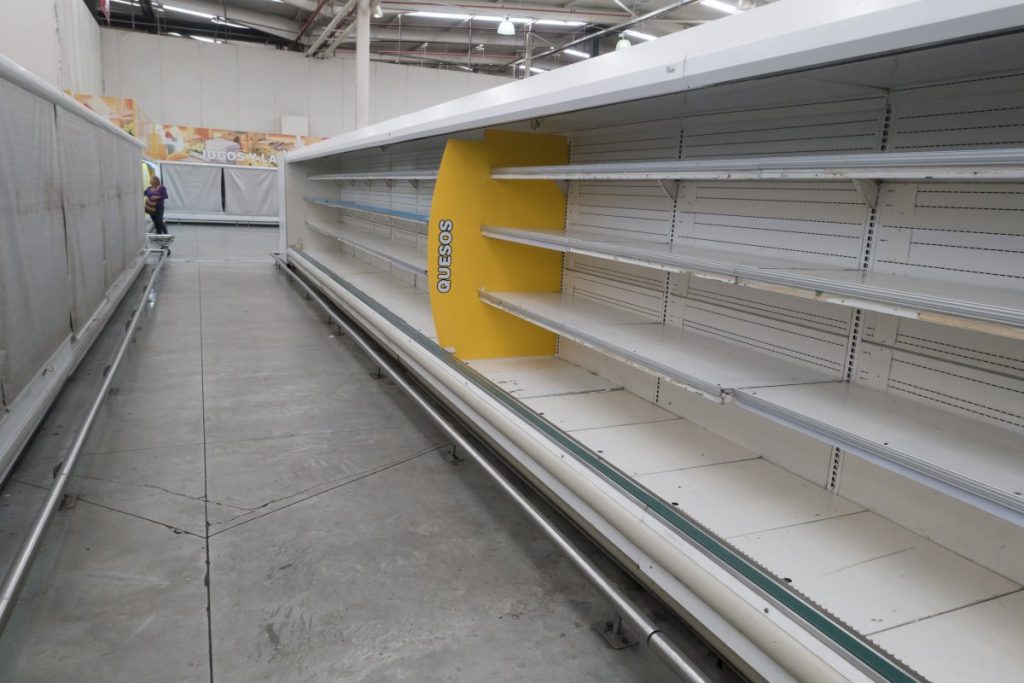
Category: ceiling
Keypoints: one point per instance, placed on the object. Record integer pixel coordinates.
(437, 33)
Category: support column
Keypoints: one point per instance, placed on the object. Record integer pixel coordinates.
(363, 64)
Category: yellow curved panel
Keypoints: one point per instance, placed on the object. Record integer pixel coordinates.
(461, 261)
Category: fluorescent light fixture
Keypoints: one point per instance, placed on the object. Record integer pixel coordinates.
(721, 6)
(623, 44)
(576, 53)
(173, 33)
(538, 70)
(182, 10)
(638, 35)
(440, 15)
(224, 22)
(506, 28)
(203, 39)
(378, 11)
(559, 22)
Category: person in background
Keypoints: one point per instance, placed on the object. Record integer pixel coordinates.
(155, 196)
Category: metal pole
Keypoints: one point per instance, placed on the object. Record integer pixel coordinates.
(363, 64)
(647, 631)
(26, 553)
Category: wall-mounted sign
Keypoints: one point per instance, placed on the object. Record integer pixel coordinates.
(167, 142)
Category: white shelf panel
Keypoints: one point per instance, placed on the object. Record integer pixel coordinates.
(570, 412)
(977, 643)
(404, 256)
(745, 497)
(407, 302)
(370, 209)
(894, 294)
(875, 574)
(959, 165)
(378, 175)
(651, 448)
(689, 359)
(974, 461)
(533, 377)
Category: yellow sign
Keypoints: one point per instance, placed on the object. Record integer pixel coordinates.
(462, 261)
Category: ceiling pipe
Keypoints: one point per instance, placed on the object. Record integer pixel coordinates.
(309, 22)
(338, 18)
(612, 29)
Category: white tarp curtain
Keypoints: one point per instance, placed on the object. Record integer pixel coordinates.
(79, 145)
(34, 290)
(250, 191)
(133, 218)
(191, 188)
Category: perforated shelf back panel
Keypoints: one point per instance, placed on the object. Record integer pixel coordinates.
(806, 332)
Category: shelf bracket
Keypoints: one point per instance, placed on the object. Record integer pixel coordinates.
(670, 188)
(415, 183)
(387, 182)
(563, 185)
(869, 191)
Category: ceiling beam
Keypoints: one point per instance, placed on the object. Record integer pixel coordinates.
(501, 9)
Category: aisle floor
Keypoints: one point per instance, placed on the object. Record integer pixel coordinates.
(254, 506)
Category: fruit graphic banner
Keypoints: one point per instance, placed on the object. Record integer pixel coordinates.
(166, 142)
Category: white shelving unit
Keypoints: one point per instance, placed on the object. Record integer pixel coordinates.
(883, 292)
(407, 256)
(790, 362)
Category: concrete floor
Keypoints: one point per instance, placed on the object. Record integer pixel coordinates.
(254, 506)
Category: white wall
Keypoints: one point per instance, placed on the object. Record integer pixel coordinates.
(241, 87)
(58, 40)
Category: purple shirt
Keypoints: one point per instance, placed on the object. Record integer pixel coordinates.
(158, 193)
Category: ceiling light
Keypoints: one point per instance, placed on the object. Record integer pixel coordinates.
(637, 34)
(623, 44)
(506, 28)
(203, 39)
(558, 22)
(173, 33)
(577, 53)
(440, 15)
(181, 10)
(720, 6)
(224, 22)
(537, 70)
(378, 11)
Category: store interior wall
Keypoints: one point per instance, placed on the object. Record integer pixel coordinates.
(241, 87)
(57, 40)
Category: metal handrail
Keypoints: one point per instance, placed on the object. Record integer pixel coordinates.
(645, 629)
(19, 568)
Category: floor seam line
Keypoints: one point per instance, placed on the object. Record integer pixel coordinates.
(343, 484)
(109, 508)
(206, 479)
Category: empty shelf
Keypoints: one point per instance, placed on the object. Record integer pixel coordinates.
(893, 294)
(970, 460)
(988, 165)
(973, 461)
(407, 302)
(873, 574)
(405, 256)
(379, 175)
(368, 208)
(686, 358)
